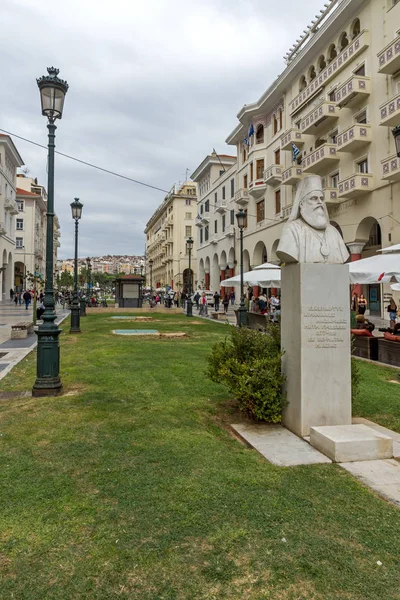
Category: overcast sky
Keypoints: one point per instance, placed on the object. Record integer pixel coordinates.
(154, 86)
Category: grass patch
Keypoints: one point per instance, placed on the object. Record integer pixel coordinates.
(130, 487)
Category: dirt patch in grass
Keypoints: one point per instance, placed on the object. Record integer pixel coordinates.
(175, 334)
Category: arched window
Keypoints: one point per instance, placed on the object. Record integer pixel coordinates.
(260, 134)
(332, 54)
(355, 29)
(344, 41)
(303, 83)
(375, 236)
(321, 63)
(275, 124)
(312, 74)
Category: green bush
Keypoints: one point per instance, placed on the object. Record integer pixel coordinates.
(249, 364)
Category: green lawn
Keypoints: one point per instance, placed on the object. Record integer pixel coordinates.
(131, 486)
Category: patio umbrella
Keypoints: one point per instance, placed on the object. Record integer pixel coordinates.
(261, 277)
(380, 268)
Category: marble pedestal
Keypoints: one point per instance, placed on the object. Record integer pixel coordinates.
(315, 333)
(350, 443)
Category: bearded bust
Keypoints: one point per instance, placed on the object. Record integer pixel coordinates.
(308, 237)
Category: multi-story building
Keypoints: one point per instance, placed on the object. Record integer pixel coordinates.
(10, 160)
(30, 235)
(336, 101)
(166, 235)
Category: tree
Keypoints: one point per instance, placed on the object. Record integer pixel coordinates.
(66, 280)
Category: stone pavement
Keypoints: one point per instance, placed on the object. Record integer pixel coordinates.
(13, 351)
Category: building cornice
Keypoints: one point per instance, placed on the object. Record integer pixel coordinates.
(17, 159)
(212, 160)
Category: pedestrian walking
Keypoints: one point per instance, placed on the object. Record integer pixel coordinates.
(203, 305)
(225, 302)
(11, 295)
(217, 298)
(232, 298)
(16, 298)
(362, 304)
(27, 299)
(197, 299)
(392, 310)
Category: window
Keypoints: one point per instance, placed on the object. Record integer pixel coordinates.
(260, 211)
(20, 224)
(223, 193)
(232, 188)
(201, 209)
(244, 154)
(321, 63)
(360, 71)
(19, 242)
(260, 134)
(277, 202)
(251, 172)
(335, 180)
(188, 215)
(361, 117)
(245, 182)
(245, 223)
(375, 236)
(332, 53)
(232, 217)
(277, 155)
(207, 206)
(260, 169)
(201, 235)
(333, 136)
(188, 201)
(356, 28)
(206, 233)
(215, 198)
(313, 73)
(343, 41)
(302, 84)
(221, 173)
(332, 95)
(363, 166)
(20, 204)
(275, 123)
(188, 231)
(223, 223)
(215, 226)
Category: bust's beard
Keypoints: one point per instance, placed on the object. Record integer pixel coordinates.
(315, 217)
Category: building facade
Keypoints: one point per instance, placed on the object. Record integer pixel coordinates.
(166, 234)
(10, 160)
(329, 113)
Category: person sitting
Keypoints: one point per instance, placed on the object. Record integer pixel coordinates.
(363, 323)
(40, 310)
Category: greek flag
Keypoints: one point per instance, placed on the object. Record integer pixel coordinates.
(251, 130)
(295, 152)
(246, 141)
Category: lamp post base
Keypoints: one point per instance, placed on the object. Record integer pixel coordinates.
(75, 319)
(82, 308)
(48, 382)
(189, 308)
(242, 316)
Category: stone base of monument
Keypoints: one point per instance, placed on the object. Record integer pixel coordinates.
(350, 443)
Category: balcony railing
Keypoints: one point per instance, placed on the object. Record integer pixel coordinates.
(229, 231)
(354, 91)
(356, 185)
(331, 196)
(221, 206)
(321, 159)
(198, 221)
(292, 136)
(273, 175)
(242, 197)
(353, 138)
(389, 57)
(391, 168)
(390, 112)
(292, 175)
(205, 217)
(257, 187)
(319, 117)
(342, 60)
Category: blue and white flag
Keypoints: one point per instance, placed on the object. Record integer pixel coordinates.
(295, 152)
(251, 130)
(246, 141)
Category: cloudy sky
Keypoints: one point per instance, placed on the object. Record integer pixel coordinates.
(154, 86)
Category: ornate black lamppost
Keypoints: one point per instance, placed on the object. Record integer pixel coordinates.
(151, 278)
(189, 303)
(48, 382)
(89, 279)
(241, 218)
(76, 208)
(396, 135)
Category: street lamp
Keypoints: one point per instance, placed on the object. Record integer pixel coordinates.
(189, 303)
(48, 382)
(76, 208)
(151, 277)
(241, 218)
(396, 135)
(89, 278)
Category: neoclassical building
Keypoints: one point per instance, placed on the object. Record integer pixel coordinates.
(166, 233)
(330, 113)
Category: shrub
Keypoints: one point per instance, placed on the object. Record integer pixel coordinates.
(249, 364)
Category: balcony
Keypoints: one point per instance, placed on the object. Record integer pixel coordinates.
(320, 117)
(242, 197)
(285, 212)
(213, 239)
(353, 92)
(11, 205)
(2, 229)
(273, 175)
(331, 197)
(389, 57)
(353, 138)
(205, 217)
(356, 185)
(391, 168)
(292, 175)
(292, 136)
(321, 159)
(198, 221)
(257, 188)
(229, 231)
(390, 112)
(221, 206)
(342, 60)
